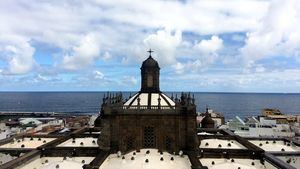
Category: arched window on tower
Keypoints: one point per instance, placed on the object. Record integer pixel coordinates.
(150, 80)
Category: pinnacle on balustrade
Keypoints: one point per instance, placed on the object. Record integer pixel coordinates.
(159, 99)
(139, 101)
(176, 99)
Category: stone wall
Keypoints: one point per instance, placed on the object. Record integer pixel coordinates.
(133, 132)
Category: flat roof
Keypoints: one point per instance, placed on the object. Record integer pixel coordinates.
(292, 160)
(80, 142)
(53, 162)
(155, 161)
(275, 145)
(221, 144)
(27, 142)
(234, 163)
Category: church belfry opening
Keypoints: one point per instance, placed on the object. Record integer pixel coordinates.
(150, 75)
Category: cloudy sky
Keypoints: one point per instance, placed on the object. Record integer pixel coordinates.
(98, 45)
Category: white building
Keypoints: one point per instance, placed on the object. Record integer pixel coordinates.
(30, 121)
(5, 131)
(264, 127)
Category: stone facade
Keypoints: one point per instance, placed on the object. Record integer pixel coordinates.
(171, 132)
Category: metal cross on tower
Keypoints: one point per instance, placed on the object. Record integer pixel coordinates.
(150, 51)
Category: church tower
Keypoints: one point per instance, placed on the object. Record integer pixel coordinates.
(149, 118)
(150, 75)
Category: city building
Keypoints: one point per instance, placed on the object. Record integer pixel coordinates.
(277, 115)
(211, 118)
(262, 127)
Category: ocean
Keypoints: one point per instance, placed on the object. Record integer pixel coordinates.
(229, 104)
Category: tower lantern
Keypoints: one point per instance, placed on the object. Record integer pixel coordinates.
(150, 75)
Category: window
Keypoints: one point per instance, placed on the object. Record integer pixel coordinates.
(149, 137)
(149, 81)
(169, 143)
(130, 143)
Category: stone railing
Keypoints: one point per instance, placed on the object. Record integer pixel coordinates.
(149, 107)
(143, 109)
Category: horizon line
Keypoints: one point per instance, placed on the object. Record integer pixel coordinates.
(81, 91)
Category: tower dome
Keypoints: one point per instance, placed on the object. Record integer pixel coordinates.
(207, 121)
(150, 62)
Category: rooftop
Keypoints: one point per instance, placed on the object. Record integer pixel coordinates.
(27, 142)
(221, 144)
(234, 163)
(63, 153)
(57, 162)
(80, 142)
(143, 160)
(276, 145)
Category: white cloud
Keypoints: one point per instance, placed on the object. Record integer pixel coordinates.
(179, 67)
(22, 60)
(210, 46)
(260, 69)
(251, 67)
(122, 25)
(279, 33)
(238, 38)
(106, 56)
(196, 66)
(164, 43)
(80, 33)
(224, 80)
(129, 81)
(98, 74)
(205, 17)
(18, 53)
(91, 78)
(42, 79)
(206, 53)
(84, 54)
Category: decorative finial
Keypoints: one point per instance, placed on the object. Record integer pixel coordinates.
(150, 51)
(159, 99)
(138, 100)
